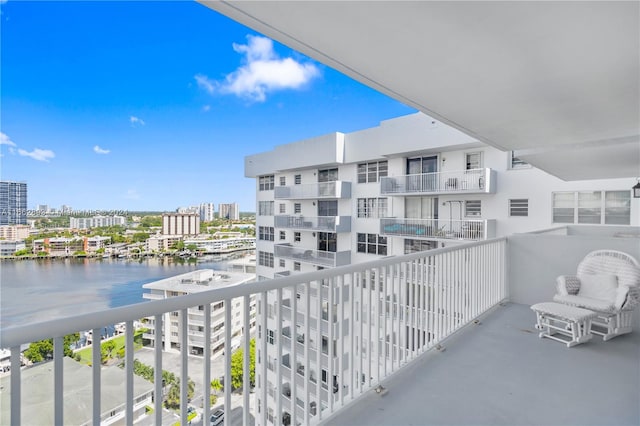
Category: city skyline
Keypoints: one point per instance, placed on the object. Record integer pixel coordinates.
(146, 106)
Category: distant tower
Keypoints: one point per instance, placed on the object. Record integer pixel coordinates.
(207, 212)
(13, 203)
(229, 211)
(180, 224)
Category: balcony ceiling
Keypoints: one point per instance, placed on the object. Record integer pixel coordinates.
(546, 79)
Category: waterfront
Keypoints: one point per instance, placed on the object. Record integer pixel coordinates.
(36, 291)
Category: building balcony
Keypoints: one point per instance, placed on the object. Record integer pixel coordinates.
(472, 300)
(321, 223)
(314, 257)
(469, 230)
(320, 190)
(476, 181)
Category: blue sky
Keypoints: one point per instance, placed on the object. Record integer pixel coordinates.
(154, 105)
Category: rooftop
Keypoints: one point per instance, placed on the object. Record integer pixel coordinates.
(501, 373)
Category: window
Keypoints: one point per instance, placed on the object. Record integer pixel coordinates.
(282, 263)
(282, 208)
(265, 183)
(296, 266)
(270, 336)
(516, 163)
(519, 207)
(265, 208)
(327, 175)
(296, 237)
(473, 160)
(297, 179)
(372, 244)
(327, 241)
(414, 246)
(283, 235)
(328, 208)
(473, 208)
(283, 180)
(372, 172)
(265, 259)
(297, 208)
(372, 207)
(617, 208)
(265, 233)
(597, 207)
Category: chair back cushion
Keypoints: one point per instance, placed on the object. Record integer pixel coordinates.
(599, 286)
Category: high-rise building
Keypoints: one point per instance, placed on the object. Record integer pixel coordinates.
(96, 221)
(180, 224)
(229, 211)
(207, 212)
(349, 198)
(13, 203)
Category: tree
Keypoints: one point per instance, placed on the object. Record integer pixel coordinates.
(140, 237)
(23, 252)
(43, 349)
(192, 247)
(178, 245)
(173, 396)
(237, 361)
(106, 350)
(216, 385)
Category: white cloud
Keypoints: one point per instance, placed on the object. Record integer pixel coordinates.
(132, 194)
(263, 72)
(6, 140)
(206, 108)
(38, 154)
(99, 150)
(136, 121)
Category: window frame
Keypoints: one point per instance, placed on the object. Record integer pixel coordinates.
(518, 205)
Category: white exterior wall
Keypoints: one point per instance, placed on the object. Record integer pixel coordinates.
(394, 141)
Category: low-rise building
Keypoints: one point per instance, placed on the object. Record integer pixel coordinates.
(8, 248)
(194, 282)
(162, 242)
(96, 221)
(14, 232)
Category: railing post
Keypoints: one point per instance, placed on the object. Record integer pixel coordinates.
(96, 359)
(58, 386)
(16, 391)
(128, 363)
(157, 369)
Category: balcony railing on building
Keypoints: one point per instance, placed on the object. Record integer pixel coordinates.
(334, 189)
(468, 230)
(321, 223)
(475, 181)
(375, 317)
(314, 257)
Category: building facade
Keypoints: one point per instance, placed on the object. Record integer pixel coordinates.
(180, 224)
(229, 211)
(410, 184)
(207, 212)
(96, 221)
(13, 203)
(194, 282)
(14, 232)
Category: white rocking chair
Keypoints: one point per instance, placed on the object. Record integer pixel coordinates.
(607, 282)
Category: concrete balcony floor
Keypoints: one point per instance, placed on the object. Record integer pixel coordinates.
(501, 373)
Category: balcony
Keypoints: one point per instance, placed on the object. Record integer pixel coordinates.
(466, 299)
(476, 181)
(314, 257)
(468, 230)
(320, 190)
(321, 223)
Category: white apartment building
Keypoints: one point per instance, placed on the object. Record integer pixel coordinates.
(162, 242)
(194, 282)
(207, 212)
(96, 221)
(8, 248)
(180, 224)
(409, 184)
(209, 245)
(229, 211)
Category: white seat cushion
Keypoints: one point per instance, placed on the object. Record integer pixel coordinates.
(599, 286)
(585, 302)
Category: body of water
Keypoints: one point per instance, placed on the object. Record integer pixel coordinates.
(39, 290)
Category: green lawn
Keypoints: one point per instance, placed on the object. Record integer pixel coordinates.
(86, 356)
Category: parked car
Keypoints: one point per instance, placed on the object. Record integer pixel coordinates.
(217, 418)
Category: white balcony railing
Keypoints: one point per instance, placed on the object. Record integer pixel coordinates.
(461, 181)
(314, 257)
(469, 230)
(321, 223)
(334, 189)
(405, 304)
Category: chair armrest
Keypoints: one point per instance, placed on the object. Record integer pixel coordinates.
(621, 296)
(568, 284)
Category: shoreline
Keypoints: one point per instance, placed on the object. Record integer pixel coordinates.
(125, 257)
